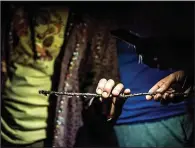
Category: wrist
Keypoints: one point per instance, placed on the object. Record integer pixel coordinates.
(178, 76)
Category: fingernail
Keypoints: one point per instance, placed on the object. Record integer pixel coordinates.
(128, 90)
(99, 91)
(115, 92)
(105, 94)
(148, 97)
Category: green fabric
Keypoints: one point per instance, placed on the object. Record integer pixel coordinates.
(38, 144)
(172, 132)
(27, 108)
(24, 110)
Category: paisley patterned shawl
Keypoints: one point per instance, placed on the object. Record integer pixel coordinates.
(90, 52)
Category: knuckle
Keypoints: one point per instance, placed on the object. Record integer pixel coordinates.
(164, 86)
(120, 85)
(107, 89)
(111, 81)
(100, 85)
(172, 76)
(103, 80)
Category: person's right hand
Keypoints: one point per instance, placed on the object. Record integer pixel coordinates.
(106, 88)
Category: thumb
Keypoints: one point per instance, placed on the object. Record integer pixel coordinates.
(154, 89)
(161, 86)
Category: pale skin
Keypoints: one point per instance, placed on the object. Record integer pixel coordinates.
(162, 88)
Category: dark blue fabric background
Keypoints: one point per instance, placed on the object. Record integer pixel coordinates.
(140, 78)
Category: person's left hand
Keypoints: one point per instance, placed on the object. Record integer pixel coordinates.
(163, 88)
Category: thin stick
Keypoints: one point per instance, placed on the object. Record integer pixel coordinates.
(44, 92)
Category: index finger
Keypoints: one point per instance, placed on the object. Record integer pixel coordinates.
(153, 89)
(100, 86)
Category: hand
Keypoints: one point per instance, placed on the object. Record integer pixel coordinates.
(107, 87)
(164, 88)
